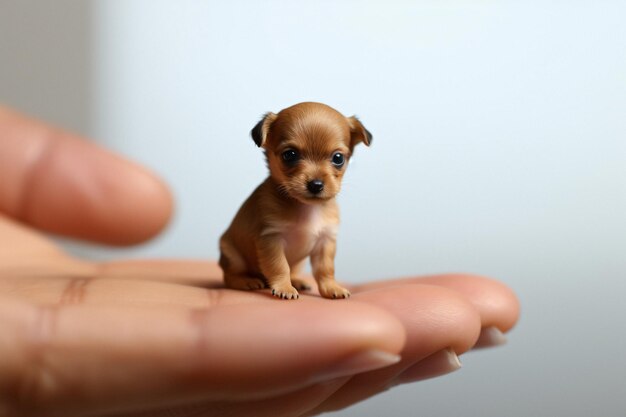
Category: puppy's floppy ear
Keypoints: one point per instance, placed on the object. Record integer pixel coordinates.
(358, 132)
(259, 132)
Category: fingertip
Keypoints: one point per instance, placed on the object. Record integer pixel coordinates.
(347, 326)
(495, 301)
(92, 194)
(435, 317)
(436, 320)
(499, 306)
(142, 207)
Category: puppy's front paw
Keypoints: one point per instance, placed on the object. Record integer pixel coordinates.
(330, 289)
(287, 292)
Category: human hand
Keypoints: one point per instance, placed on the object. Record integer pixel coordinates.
(163, 337)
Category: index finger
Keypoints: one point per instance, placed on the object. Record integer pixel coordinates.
(72, 358)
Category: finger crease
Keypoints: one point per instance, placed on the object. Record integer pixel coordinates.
(38, 381)
(199, 318)
(214, 297)
(75, 291)
(23, 209)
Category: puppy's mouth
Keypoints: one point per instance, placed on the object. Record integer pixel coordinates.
(316, 198)
(310, 198)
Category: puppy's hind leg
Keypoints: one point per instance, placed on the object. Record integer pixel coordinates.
(243, 282)
(234, 268)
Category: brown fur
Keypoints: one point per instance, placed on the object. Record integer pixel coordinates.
(283, 222)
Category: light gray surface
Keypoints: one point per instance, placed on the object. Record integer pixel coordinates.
(499, 148)
(45, 59)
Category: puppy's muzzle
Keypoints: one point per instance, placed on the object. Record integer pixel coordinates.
(315, 187)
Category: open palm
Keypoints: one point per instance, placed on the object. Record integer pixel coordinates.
(163, 337)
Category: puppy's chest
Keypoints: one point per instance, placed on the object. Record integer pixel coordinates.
(301, 233)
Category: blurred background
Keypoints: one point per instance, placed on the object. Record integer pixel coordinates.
(499, 149)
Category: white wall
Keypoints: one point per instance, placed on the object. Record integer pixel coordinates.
(499, 148)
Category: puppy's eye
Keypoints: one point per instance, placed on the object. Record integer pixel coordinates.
(290, 156)
(338, 160)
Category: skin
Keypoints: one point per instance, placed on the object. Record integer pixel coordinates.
(163, 337)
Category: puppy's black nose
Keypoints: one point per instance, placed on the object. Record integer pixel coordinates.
(315, 186)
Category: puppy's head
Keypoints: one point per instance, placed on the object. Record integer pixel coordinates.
(308, 147)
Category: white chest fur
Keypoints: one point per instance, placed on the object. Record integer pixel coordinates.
(303, 233)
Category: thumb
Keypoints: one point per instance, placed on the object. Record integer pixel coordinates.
(64, 184)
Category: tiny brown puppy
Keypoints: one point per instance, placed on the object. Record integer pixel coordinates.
(293, 214)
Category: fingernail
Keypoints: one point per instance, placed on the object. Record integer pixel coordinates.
(361, 362)
(437, 364)
(490, 337)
